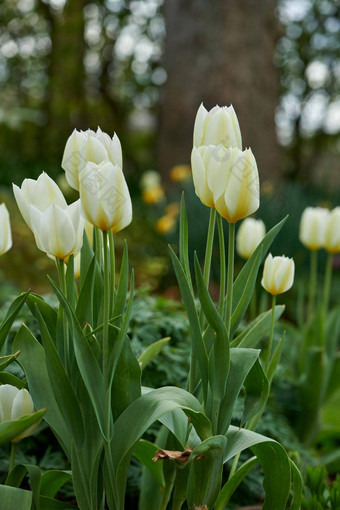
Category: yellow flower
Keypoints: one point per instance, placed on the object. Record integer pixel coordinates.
(180, 173)
(153, 195)
(165, 224)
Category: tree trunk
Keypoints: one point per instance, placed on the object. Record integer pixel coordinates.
(220, 52)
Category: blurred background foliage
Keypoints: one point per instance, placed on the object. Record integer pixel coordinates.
(141, 68)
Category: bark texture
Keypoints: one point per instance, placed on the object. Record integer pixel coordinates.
(220, 52)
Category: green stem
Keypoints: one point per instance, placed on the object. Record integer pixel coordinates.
(234, 465)
(112, 271)
(222, 262)
(106, 311)
(328, 281)
(62, 283)
(208, 255)
(270, 343)
(253, 305)
(12, 458)
(231, 256)
(312, 282)
(98, 245)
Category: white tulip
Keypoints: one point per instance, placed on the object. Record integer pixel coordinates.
(40, 193)
(14, 404)
(89, 146)
(278, 274)
(249, 235)
(332, 233)
(226, 179)
(218, 126)
(105, 197)
(59, 231)
(313, 224)
(5, 226)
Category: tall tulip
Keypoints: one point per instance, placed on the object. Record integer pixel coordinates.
(105, 197)
(314, 221)
(5, 226)
(226, 179)
(89, 146)
(332, 231)
(59, 231)
(249, 235)
(278, 274)
(40, 193)
(14, 404)
(218, 126)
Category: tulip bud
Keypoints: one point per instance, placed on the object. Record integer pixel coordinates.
(226, 179)
(249, 235)
(314, 221)
(14, 404)
(5, 226)
(278, 274)
(85, 146)
(332, 234)
(219, 126)
(40, 193)
(59, 232)
(105, 197)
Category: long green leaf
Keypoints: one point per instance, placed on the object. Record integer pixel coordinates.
(183, 241)
(7, 378)
(6, 360)
(84, 309)
(229, 488)
(144, 451)
(34, 302)
(123, 284)
(297, 486)
(242, 277)
(151, 352)
(254, 332)
(273, 459)
(52, 481)
(256, 392)
(12, 497)
(11, 315)
(11, 429)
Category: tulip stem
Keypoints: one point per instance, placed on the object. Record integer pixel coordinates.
(98, 246)
(106, 307)
(328, 280)
(62, 283)
(271, 335)
(112, 271)
(208, 255)
(12, 457)
(222, 263)
(312, 282)
(231, 256)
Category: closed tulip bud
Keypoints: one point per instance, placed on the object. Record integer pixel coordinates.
(249, 235)
(218, 126)
(226, 179)
(278, 274)
(314, 221)
(5, 226)
(40, 193)
(332, 234)
(58, 231)
(14, 404)
(105, 197)
(89, 146)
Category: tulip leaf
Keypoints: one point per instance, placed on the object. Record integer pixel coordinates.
(151, 352)
(256, 392)
(8, 378)
(275, 360)
(12, 497)
(205, 475)
(49, 314)
(255, 331)
(183, 241)
(140, 415)
(10, 317)
(241, 362)
(62, 387)
(273, 459)
(54, 504)
(198, 346)
(86, 256)
(31, 356)
(229, 488)
(87, 362)
(123, 284)
(246, 296)
(11, 429)
(53, 480)
(297, 484)
(220, 354)
(71, 288)
(243, 275)
(144, 451)
(84, 309)
(6, 360)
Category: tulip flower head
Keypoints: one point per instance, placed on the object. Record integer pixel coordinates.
(104, 196)
(226, 179)
(218, 126)
(58, 231)
(14, 404)
(5, 226)
(313, 224)
(89, 146)
(332, 232)
(249, 235)
(40, 193)
(278, 274)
